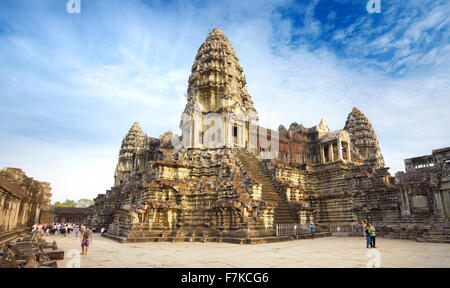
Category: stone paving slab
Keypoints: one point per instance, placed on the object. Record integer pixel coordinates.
(323, 252)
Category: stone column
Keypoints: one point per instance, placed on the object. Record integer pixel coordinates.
(8, 216)
(224, 130)
(245, 133)
(24, 214)
(193, 131)
(240, 139)
(322, 154)
(16, 215)
(303, 217)
(37, 213)
(407, 210)
(330, 152)
(349, 154)
(438, 204)
(198, 125)
(339, 146)
(2, 215)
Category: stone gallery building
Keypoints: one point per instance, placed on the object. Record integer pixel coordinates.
(22, 199)
(76, 215)
(228, 179)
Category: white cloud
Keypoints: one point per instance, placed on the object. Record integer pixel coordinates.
(125, 83)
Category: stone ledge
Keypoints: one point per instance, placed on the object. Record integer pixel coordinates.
(11, 236)
(234, 240)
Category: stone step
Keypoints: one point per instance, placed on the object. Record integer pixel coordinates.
(258, 173)
(283, 212)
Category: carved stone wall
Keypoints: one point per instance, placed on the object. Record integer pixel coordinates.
(201, 192)
(21, 201)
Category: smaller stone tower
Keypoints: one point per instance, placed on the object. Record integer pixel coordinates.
(132, 143)
(364, 141)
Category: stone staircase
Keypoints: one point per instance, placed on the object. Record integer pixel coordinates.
(422, 230)
(258, 173)
(446, 234)
(440, 235)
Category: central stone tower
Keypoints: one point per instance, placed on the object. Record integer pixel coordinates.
(219, 107)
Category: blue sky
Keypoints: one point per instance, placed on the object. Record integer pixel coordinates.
(71, 85)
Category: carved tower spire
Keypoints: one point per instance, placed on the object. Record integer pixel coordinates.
(363, 138)
(132, 143)
(219, 110)
(217, 83)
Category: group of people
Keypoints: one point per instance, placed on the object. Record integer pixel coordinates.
(79, 230)
(369, 233)
(55, 229)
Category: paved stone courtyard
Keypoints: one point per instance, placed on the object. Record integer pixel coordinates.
(323, 252)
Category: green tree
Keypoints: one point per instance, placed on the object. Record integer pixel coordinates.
(67, 203)
(83, 203)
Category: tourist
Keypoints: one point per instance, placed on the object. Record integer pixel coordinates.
(312, 228)
(76, 229)
(83, 228)
(367, 233)
(102, 230)
(372, 235)
(58, 229)
(52, 230)
(86, 239)
(62, 230)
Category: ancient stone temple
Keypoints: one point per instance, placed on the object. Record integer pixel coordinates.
(228, 179)
(425, 197)
(22, 200)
